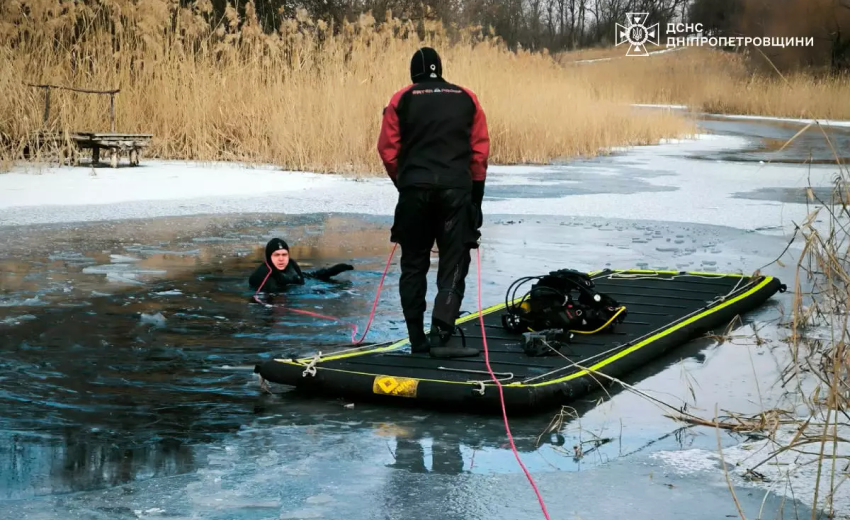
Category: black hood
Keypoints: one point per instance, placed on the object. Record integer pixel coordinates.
(274, 245)
(425, 64)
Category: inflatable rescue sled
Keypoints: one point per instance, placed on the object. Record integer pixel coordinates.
(547, 345)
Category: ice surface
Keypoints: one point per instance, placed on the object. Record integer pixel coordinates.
(315, 470)
(127, 273)
(802, 121)
(789, 473)
(678, 189)
(822, 122)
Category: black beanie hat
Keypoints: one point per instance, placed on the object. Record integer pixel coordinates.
(274, 245)
(425, 63)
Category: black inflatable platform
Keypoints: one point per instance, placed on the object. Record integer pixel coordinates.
(664, 310)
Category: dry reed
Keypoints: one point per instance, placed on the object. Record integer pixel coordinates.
(305, 97)
(819, 335)
(818, 373)
(715, 81)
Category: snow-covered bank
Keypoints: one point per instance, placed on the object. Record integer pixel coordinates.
(660, 183)
(153, 181)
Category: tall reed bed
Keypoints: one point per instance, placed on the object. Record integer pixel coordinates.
(306, 96)
(715, 81)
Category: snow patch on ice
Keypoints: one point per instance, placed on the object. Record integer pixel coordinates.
(11, 321)
(123, 269)
(173, 292)
(158, 320)
(28, 302)
(688, 462)
(119, 259)
(790, 473)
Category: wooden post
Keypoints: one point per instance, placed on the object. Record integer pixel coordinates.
(112, 111)
(46, 105)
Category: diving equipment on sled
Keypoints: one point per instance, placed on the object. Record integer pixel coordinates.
(545, 342)
(563, 299)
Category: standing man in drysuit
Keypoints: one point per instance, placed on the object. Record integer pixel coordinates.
(435, 145)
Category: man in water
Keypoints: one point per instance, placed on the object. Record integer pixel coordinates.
(280, 270)
(434, 145)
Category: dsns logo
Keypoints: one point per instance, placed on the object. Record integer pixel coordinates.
(637, 34)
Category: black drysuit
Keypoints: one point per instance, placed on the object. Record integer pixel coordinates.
(279, 280)
(434, 145)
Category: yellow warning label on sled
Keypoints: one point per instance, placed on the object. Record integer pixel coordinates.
(397, 386)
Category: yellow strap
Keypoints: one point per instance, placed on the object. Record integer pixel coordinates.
(622, 308)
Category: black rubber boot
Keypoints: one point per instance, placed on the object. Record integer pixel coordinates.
(440, 335)
(416, 334)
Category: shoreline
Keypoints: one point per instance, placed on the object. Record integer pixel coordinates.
(638, 182)
(838, 123)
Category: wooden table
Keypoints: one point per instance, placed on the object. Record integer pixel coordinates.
(116, 144)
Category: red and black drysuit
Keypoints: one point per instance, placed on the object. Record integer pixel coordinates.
(434, 145)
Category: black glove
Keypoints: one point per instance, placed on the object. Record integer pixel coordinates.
(339, 268)
(477, 192)
(332, 271)
(477, 198)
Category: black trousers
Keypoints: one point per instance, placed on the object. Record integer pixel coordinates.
(423, 216)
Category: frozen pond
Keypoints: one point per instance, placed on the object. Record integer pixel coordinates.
(127, 389)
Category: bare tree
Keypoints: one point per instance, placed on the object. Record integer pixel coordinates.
(573, 35)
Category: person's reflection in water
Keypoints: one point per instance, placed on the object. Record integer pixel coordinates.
(446, 457)
(422, 492)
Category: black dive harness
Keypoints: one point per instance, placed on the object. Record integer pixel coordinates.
(559, 304)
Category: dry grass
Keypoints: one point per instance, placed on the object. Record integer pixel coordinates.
(719, 82)
(308, 99)
(817, 378)
(302, 98)
(819, 336)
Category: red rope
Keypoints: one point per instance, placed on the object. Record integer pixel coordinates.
(331, 318)
(483, 337)
(501, 395)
